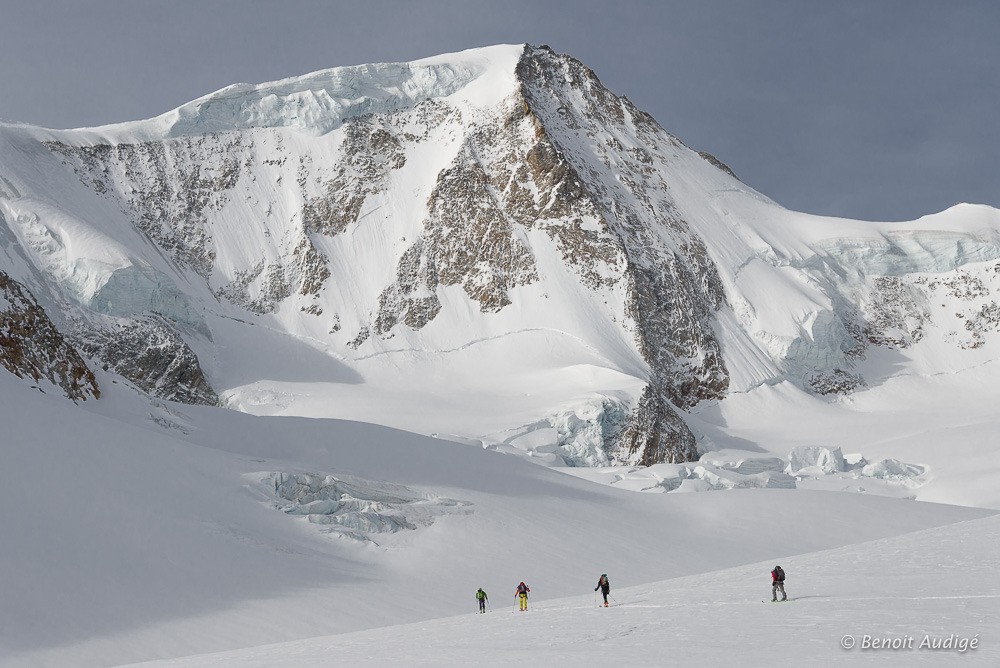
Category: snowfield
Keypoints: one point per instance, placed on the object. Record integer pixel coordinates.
(929, 598)
(133, 542)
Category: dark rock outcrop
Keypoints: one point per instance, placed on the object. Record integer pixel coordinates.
(151, 354)
(31, 345)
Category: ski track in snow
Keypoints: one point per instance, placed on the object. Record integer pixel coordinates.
(470, 344)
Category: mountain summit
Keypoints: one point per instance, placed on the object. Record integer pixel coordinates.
(488, 245)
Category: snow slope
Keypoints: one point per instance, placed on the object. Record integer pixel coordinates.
(924, 599)
(131, 541)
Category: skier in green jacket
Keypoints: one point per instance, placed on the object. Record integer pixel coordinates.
(482, 598)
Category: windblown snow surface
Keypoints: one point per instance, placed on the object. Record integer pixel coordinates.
(349, 507)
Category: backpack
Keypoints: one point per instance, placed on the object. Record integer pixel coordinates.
(779, 574)
(522, 589)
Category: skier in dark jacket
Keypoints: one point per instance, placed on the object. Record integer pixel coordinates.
(604, 586)
(778, 584)
(482, 598)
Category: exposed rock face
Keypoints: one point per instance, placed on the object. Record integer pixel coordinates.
(370, 153)
(172, 190)
(274, 288)
(673, 288)
(152, 355)
(412, 299)
(471, 240)
(467, 239)
(894, 316)
(655, 433)
(166, 188)
(31, 346)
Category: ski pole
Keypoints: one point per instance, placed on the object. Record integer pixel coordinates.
(612, 598)
(595, 598)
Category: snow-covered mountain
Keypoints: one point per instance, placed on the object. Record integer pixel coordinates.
(493, 222)
(490, 248)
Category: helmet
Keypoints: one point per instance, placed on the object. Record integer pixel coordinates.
(604, 575)
(522, 583)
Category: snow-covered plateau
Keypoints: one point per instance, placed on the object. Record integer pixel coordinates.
(292, 370)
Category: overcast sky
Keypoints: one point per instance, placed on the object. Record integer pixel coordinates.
(873, 109)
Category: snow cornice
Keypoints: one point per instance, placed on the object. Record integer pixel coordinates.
(316, 103)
